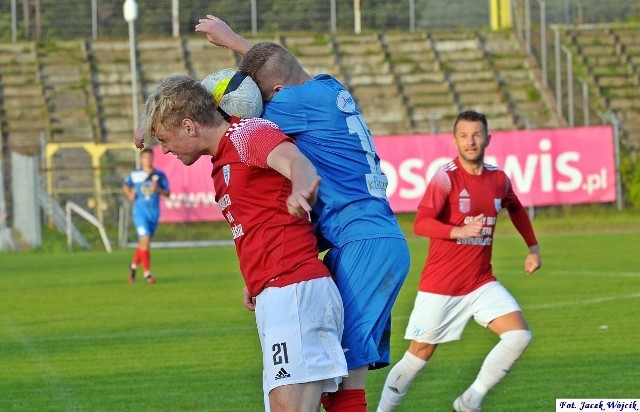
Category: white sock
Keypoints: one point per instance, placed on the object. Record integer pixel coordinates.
(496, 365)
(398, 381)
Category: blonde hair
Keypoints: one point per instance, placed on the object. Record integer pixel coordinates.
(176, 98)
(270, 64)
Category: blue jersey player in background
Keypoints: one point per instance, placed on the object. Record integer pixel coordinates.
(144, 187)
(368, 254)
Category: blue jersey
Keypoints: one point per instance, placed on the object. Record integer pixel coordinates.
(323, 118)
(147, 201)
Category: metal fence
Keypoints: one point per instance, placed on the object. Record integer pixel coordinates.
(51, 19)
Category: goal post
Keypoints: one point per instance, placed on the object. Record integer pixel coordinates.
(73, 207)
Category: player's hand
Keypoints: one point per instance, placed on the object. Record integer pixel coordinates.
(299, 204)
(473, 228)
(532, 262)
(138, 136)
(248, 301)
(220, 34)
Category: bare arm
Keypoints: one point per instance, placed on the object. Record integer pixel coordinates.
(532, 262)
(220, 34)
(129, 192)
(287, 160)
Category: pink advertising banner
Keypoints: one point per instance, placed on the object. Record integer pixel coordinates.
(192, 196)
(546, 167)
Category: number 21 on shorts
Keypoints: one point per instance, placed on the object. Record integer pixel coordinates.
(280, 354)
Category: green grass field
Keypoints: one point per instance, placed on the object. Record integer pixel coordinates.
(75, 336)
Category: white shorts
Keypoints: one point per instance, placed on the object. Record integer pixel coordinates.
(441, 318)
(300, 328)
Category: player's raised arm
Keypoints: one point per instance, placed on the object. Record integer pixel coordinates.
(287, 160)
(220, 34)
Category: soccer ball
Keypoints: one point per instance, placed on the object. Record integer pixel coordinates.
(243, 101)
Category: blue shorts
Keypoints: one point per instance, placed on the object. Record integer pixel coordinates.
(369, 274)
(145, 223)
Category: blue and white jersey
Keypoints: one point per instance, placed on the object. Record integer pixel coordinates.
(323, 118)
(147, 201)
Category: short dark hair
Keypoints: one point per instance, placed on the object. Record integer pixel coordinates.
(269, 63)
(472, 116)
(146, 150)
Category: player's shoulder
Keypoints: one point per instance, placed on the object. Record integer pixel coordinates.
(254, 137)
(447, 168)
(317, 86)
(252, 124)
(441, 177)
(290, 94)
(493, 169)
(136, 173)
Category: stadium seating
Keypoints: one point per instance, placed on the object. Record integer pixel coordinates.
(367, 73)
(66, 77)
(519, 83)
(111, 68)
(610, 57)
(24, 111)
(80, 91)
(158, 59)
(315, 52)
(428, 92)
(202, 58)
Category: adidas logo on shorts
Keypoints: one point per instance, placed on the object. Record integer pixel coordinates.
(282, 374)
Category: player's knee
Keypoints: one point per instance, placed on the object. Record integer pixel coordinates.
(517, 339)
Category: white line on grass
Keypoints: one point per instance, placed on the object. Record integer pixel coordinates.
(56, 385)
(581, 302)
(147, 334)
(562, 304)
(591, 273)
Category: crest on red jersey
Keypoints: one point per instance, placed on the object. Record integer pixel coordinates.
(464, 205)
(226, 173)
(498, 204)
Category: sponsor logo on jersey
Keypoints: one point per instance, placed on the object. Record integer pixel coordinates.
(226, 173)
(464, 193)
(377, 185)
(476, 241)
(498, 204)
(345, 102)
(145, 189)
(464, 205)
(282, 374)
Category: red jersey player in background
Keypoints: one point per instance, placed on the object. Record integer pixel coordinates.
(265, 188)
(458, 213)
